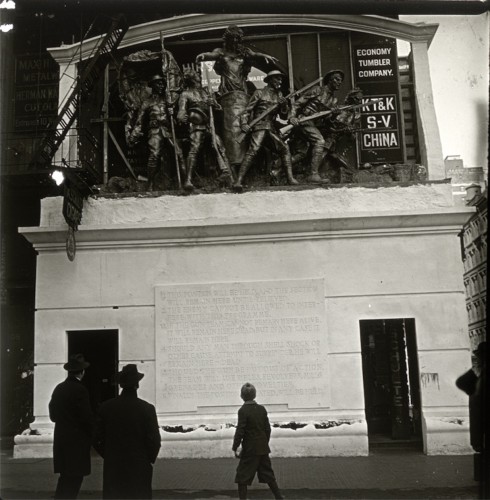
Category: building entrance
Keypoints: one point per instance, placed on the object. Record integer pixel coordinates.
(100, 348)
(391, 388)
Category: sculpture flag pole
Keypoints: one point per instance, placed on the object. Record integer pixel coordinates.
(166, 63)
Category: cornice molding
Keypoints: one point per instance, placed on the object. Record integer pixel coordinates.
(212, 232)
(181, 25)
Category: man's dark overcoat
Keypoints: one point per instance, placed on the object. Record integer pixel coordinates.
(473, 385)
(70, 410)
(128, 438)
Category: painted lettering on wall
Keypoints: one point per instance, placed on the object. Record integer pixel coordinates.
(36, 91)
(380, 124)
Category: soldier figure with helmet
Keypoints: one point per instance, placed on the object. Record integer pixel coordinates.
(194, 106)
(262, 100)
(320, 98)
(156, 110)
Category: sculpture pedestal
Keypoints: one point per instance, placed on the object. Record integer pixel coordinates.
(207, 292)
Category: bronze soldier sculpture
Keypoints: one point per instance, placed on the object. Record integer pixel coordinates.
(342, 129)
(195, 108)
(159, 135)
(263, 99)
(320, 98)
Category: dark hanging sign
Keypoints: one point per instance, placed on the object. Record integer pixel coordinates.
(36, 91)
(376, 73)
(72, 204)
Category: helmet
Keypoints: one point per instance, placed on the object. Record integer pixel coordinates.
(272, 73)
(197, 116)
(156, 78)
(329, 74)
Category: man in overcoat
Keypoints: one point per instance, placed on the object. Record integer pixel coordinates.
(253, 432)
(128, 438)
(473, 383)
(69, 409)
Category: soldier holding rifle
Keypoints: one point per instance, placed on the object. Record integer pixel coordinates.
(159, 134)
(195, 108)
(268, 98)
(315, 101)
(343, 128)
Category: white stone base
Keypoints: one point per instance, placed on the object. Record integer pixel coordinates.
(446, 436)
(341, 440)
(33, 446)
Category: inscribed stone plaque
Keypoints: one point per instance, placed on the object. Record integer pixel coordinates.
(211, 338)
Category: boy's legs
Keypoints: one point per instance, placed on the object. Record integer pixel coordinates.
(265, 474)
(245, 473)
(242, 491)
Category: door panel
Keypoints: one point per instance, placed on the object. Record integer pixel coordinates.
(390, 373)
(100, 348)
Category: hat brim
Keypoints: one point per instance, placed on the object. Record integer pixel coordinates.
(328, 74)
(479, 351)
(267, 79)
(129, 378)
(76, 367)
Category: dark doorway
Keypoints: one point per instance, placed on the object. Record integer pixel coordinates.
(391, 388)
(100, 348)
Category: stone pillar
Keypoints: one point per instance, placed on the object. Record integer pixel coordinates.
(429, 137)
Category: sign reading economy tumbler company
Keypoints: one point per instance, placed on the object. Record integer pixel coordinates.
(376, 73)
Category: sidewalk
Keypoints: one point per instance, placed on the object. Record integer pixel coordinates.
(386, 474)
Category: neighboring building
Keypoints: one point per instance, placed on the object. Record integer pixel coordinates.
(474, 248)
(462, 178)
(344, 305)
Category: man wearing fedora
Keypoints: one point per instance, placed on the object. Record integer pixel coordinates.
(69, 409)
(318, 99)
(127, 437)
(270, 97)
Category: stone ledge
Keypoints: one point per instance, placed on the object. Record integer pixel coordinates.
(253, 205)
(345, 439)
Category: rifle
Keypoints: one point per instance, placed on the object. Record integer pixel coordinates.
(320, 114)
(224, 166)
(262, 115)
(171, 115)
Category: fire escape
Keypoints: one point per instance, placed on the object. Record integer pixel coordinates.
(80, 178)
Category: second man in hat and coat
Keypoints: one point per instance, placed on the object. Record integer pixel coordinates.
(128, 438)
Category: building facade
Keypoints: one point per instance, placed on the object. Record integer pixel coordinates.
(329, 298)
